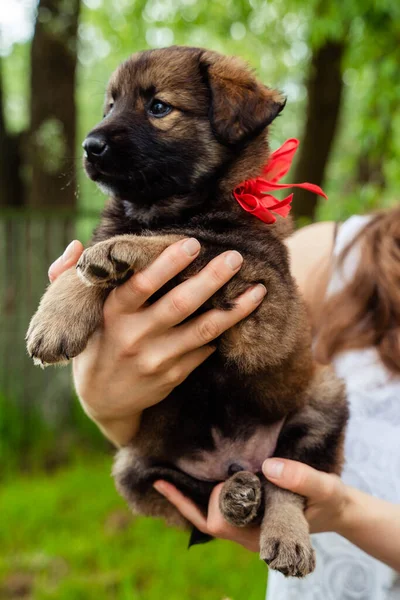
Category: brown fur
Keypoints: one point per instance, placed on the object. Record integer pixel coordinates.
(172, 177)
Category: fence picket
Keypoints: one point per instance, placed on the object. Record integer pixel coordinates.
(29, 242)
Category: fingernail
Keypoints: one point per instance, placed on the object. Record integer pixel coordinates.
(273, 468)
(191, 246)
(258, 292)
(234, 260)
(160, 487)
(52, 267)
(69, 251)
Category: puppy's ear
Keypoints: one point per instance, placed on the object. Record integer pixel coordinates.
(240, 105)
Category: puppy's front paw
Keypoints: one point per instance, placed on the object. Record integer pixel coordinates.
(288, 553)
(49, 343)
(240, 498)
(110, 263)
(68, 314)
(57, 336)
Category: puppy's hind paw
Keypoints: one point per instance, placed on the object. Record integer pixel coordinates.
(292, 557)
(240, 499)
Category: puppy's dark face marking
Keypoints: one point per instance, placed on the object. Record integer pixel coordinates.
(173, 119)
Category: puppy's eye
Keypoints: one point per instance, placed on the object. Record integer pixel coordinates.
(159, 109)
(110, 105)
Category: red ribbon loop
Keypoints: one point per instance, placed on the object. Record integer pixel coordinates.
(251, 194)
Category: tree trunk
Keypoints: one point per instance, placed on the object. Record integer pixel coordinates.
(51, 147)
(11, 185)
(377, 148)
(324, 90)
(370, 169)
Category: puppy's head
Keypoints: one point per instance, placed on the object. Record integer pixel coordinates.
(175, 118)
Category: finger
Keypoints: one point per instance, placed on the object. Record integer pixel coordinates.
(216, 522)
(179, 350)
(249, 537)
(186, 507)
(66, 261)
(206, 328)
(184, 365)
(187, 297)
(299, 478)
(133, 294)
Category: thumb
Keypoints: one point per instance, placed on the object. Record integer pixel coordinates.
(299, 478)
(68, 259)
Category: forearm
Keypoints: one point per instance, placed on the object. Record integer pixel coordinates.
(373, 525)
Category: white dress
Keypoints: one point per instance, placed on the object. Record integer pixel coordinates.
(372, 453)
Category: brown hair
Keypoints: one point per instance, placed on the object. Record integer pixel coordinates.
(367, 311)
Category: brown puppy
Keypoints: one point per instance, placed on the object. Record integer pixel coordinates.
(182, 128)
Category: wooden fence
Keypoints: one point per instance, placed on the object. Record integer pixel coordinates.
(29, 243)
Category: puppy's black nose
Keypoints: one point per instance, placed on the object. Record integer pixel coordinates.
(94, 146)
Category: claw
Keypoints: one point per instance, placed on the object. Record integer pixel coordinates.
(39, 363)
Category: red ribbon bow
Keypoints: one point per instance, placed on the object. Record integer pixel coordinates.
(251, 194)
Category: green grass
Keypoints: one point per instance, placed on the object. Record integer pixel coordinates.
(68, 536)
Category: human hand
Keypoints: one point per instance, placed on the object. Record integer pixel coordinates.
(214, 523)
(326, 500)
(326, 495)
(142, 352)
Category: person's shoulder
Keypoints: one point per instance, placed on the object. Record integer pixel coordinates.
(321, 232)
(310, 250)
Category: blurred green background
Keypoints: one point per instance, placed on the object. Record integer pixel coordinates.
(64, 533)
